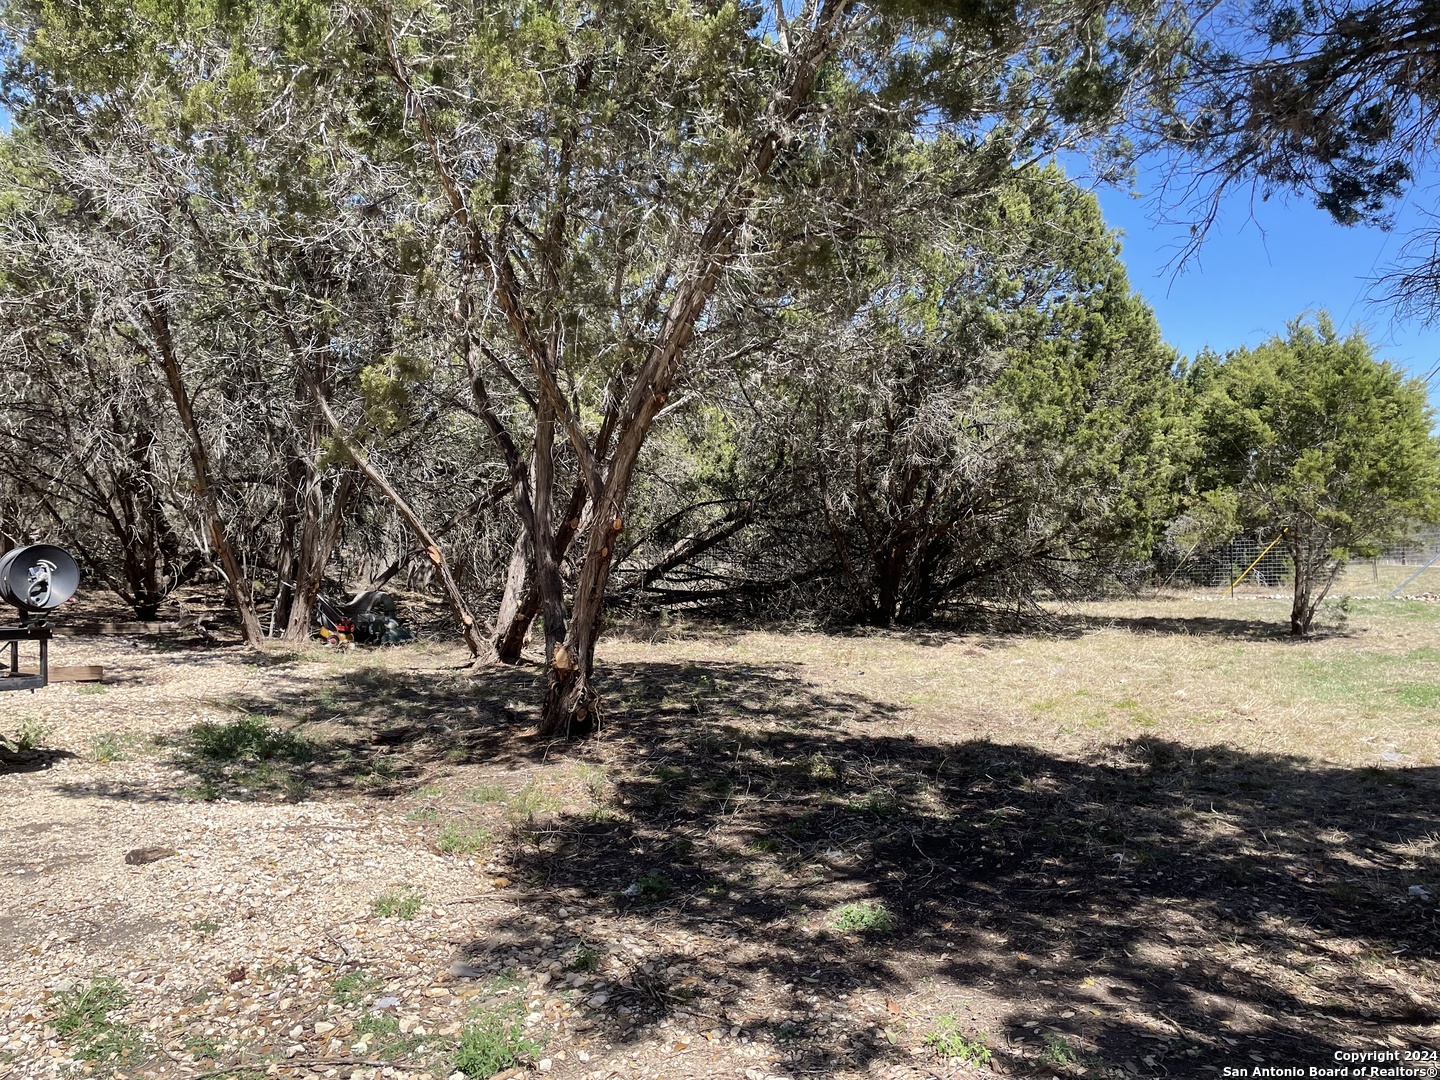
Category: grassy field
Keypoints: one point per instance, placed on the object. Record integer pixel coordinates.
(1154, 837)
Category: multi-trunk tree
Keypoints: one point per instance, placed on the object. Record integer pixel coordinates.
(565, 207)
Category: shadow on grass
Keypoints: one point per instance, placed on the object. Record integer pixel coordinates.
(1165, 910)
(1158, 905)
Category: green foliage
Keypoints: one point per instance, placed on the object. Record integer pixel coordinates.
(31, 736)
(106, 747)
(250, 739)
(457, 838)
(354, 987)
(1311, 434)
(492, 1041)
(400, 905)
(948, 1039)
(585, 958)
(865, 917)
(1057, 1051)
(82, 1017)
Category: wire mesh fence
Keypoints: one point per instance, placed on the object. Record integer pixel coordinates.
(1409, 568)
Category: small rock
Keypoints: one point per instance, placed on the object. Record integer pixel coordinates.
(141, 856)
(597, 1001)
(545, 1065)
(437, 992)
(461, 970)
(323, 1027)
(501, 883)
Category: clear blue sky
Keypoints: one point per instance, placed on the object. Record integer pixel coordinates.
(1263, 264)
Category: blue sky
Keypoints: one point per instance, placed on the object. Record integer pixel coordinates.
(1264, 263)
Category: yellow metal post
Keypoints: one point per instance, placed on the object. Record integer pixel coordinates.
(1254, 564)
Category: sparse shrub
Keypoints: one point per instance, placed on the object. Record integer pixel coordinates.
(654, 886)
(585, 958)
(492, 1041)
(401, 905)
(946, 1038)
(105, 748)
(250, 739)
(1057, 1051)
(31, 734)
(488, 793)
(865, 917)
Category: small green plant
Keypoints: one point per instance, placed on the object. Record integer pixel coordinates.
(400, 905)
(31, 734)
(764, 845)
(83, 1018)
(354, 987)
(879, 803)
(105, 748)
(205, 926)
(492, 1041)
(1057, 1051)
(202, 1047)
(250, 739)
(585, 958)
(865, 917)
(425, 813)
(488, 793)
(520, 807)
(596, 781)
(946, 1038)
(457, 838)
(504, 982)
(655, 886)
(381, 1033)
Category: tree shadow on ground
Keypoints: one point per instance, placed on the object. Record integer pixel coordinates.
(1202, 626)
(1151, 907)
(1156, 906)
(372, 732)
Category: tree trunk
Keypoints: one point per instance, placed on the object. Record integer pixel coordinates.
(518, 604)
(1315, 572)
(317, 540)
(235, 580)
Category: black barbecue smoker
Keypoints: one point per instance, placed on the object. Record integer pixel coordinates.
(36, 579)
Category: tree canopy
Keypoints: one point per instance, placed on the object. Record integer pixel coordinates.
(1311, 434)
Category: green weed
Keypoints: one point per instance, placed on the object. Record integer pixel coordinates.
(946, 1038)
(492, 1041)
(488, 793)
(1057, 1051)
(105, 748)
(585, 958)
(250, 739)
(457, 838)
(865, 917)
(31, 735)
(1419, 695)
(400, 905)
(83, 1018)
(354, 987)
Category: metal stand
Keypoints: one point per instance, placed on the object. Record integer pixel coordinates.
(12, 679)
